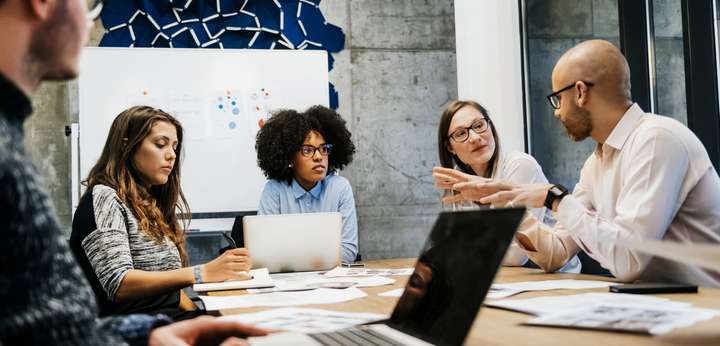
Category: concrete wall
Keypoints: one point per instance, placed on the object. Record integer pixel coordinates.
(395, 75)
(55, 105)
(47, 144)
(397, 71)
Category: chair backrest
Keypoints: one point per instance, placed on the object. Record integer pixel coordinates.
(237, 229)
(591, 266)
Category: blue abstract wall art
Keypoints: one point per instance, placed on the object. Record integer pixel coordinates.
(256, 24)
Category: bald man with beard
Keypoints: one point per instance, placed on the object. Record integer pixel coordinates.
(649, 178)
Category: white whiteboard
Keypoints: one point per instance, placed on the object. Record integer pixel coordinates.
(199, 86)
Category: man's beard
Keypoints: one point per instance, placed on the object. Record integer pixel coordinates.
(578, 125)
(50, 45)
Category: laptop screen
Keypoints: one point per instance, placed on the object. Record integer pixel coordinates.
(453, 274)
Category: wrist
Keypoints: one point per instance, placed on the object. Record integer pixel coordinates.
(556, 204)
(555, 194)
(198, 274)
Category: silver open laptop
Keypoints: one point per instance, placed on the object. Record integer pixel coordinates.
(442, 297)
(293, 242)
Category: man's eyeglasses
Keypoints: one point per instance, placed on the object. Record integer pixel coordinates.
(94, 8)
(554, 98)
(461, 134)
(309, 150)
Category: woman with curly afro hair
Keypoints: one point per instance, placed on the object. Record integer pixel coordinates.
(300, 154)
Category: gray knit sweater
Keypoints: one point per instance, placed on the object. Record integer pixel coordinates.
(108, 243)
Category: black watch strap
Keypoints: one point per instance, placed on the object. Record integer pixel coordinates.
(555, 192)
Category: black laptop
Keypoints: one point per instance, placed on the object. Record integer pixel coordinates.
(443, 295)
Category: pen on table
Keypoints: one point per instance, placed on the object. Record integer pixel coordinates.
(352, 265)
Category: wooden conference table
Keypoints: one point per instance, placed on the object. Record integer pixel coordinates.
(500, 327)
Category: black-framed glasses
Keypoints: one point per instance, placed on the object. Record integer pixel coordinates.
(94, 9)
(461, 134)
(554, 98)
(309, 150)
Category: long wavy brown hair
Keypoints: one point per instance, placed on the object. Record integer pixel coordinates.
(450, 160)
(160, 208)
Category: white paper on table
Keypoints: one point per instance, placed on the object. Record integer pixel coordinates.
(497, 293)
(260, 278)
(317, 296)
(308, 283)
(368, 281)
(506, 290)
(645, 319)
(303, 320)
(298, 275)
(392, 293)
(702, 255)
(541, 306)
(352, 272)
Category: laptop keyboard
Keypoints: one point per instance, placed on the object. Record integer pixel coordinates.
(354, 336)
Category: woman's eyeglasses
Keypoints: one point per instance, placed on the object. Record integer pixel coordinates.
(309, 150)
(461, 134)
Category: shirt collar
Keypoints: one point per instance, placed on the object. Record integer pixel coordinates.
(13, 102)
(299, 191)
(619, 135)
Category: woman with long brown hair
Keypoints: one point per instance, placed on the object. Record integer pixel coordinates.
(469, 150)
(126, 232)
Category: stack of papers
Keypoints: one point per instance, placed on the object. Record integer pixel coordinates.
(511, 289)
(626, 318)
(294, 275)
(260, 278)
(608, 311)
(317, 296)
(353, 272)
(303, 320)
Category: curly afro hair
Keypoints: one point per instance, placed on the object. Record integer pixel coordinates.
(285, 132)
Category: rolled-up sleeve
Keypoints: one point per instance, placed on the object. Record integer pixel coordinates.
(549, 247)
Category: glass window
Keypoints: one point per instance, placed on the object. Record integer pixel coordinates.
(669, 59)
(552, 27)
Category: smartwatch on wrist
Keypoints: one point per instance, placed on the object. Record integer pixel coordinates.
(198, 274)
(556, 192)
